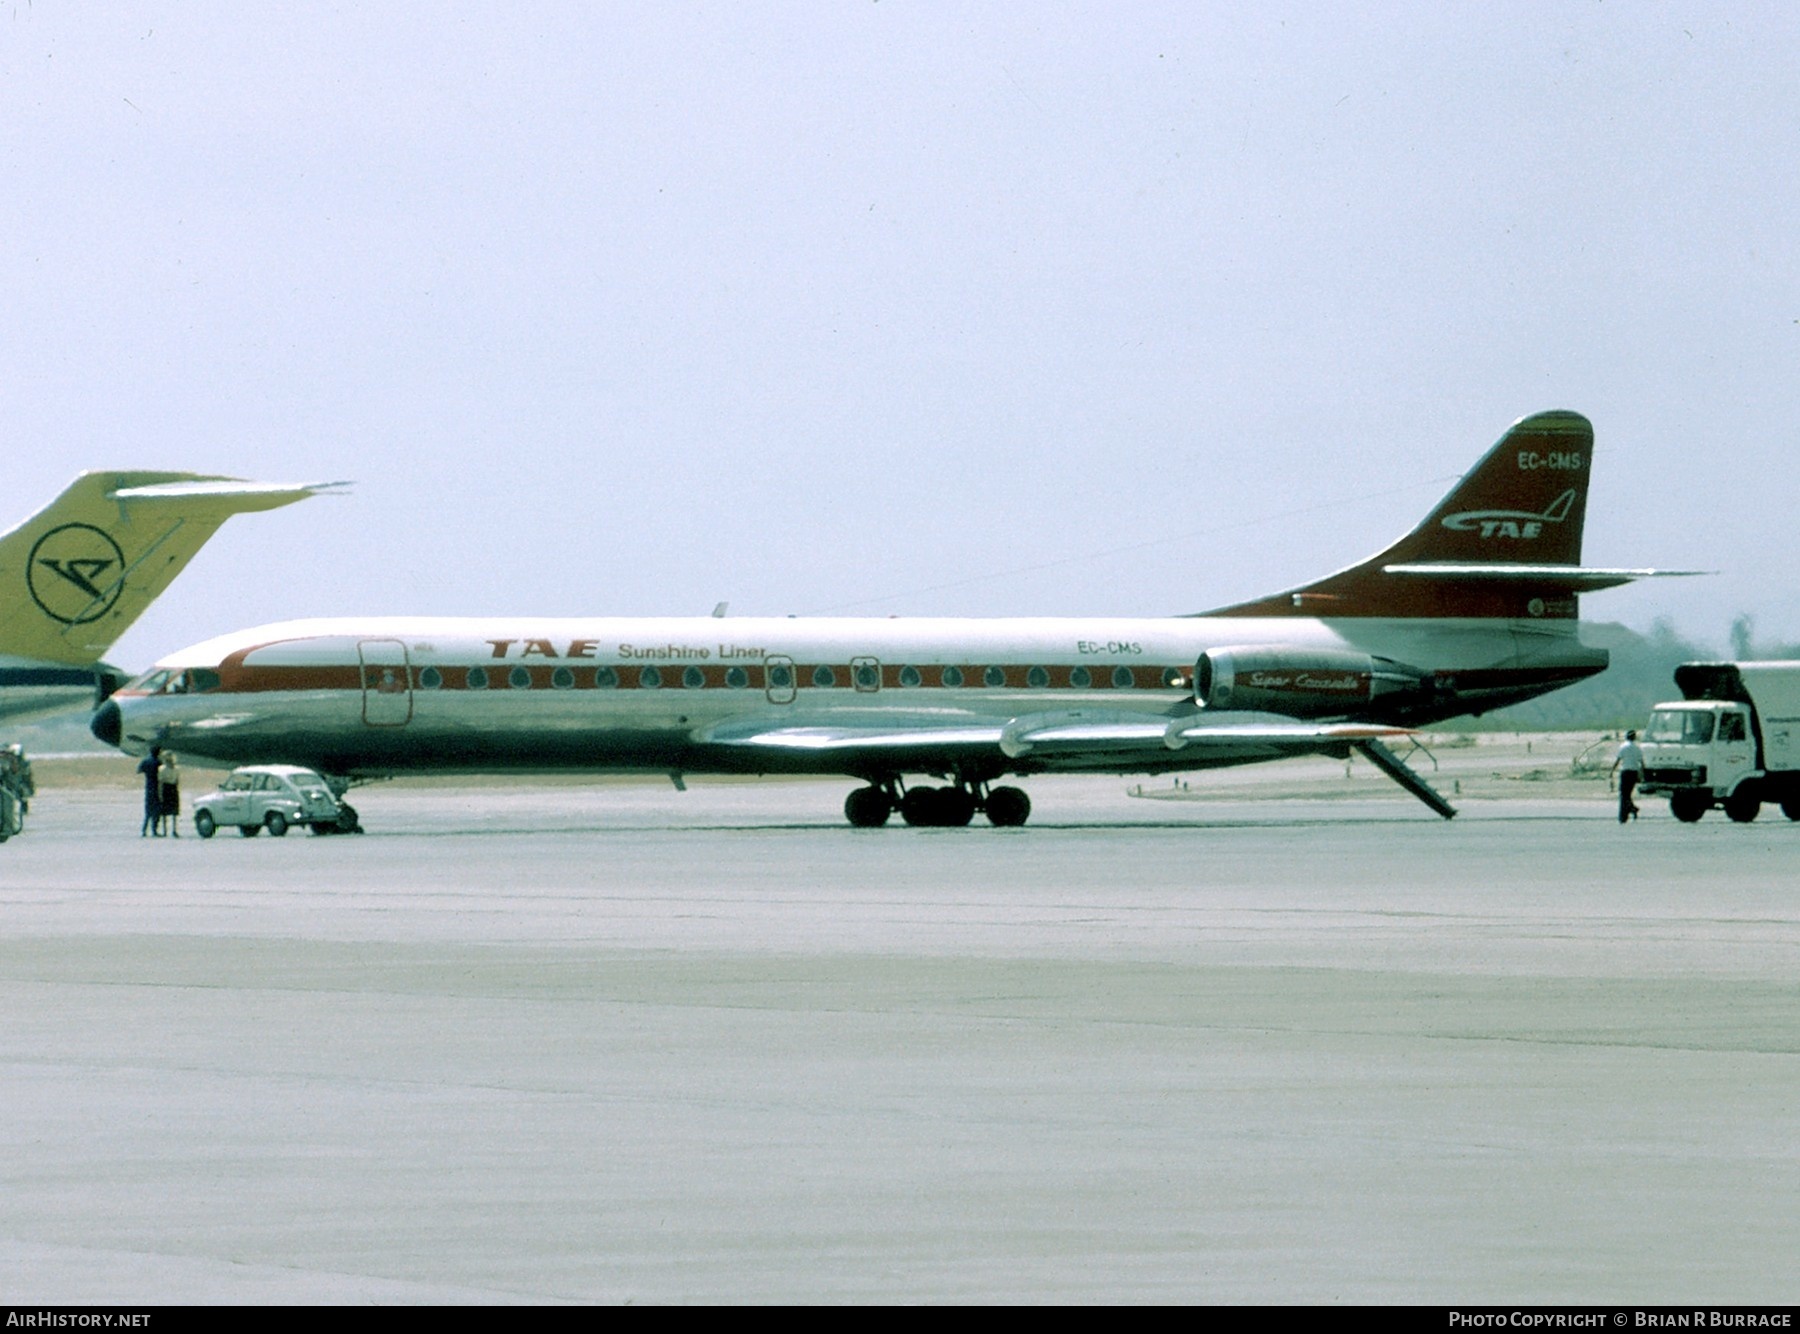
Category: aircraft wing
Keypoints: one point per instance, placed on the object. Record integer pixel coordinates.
(1075, 739)
(1070, 733)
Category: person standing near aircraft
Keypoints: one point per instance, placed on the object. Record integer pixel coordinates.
(1630, 768)
(151, 768)
(168, 783)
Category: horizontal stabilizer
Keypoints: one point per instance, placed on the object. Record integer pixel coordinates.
(244, 496)
(1547, 578)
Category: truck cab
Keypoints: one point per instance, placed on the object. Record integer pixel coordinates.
(1727, 743)
(1699, 755)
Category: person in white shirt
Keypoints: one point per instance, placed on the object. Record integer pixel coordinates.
(1630, 768)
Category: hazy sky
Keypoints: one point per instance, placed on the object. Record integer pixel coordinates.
(895, 307)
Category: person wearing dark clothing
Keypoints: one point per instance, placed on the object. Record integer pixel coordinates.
(168, 780)
(151, 768)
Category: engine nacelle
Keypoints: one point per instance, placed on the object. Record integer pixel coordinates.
(1302, 682)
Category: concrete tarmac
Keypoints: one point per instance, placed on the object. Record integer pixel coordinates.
(617, 1043)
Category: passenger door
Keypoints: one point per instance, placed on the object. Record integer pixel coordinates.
(386, 683)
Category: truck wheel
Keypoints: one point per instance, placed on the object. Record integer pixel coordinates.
(277, 823)
(204, 824)
(1743, 807)
(1688, 807)
(1790, 807)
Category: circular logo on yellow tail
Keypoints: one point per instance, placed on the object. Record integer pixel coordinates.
(75, 573)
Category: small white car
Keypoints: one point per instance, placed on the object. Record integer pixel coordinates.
(273, 797)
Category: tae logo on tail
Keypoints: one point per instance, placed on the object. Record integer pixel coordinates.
(1511, 523)
(75, 573)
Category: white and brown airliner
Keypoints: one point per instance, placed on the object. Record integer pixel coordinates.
(1473, 609)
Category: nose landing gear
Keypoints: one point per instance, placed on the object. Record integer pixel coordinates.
(951, 807)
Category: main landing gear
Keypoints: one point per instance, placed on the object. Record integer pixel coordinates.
(937, 807)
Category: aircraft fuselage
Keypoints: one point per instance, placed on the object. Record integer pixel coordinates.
(692, 695)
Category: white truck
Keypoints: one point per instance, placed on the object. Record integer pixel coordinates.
(1732, 740)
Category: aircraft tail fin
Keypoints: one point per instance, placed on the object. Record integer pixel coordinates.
(1505, 543)
(75, 575)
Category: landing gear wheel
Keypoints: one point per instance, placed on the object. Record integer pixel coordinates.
(276, 823)
(204, 824)
(249, 830)
(1688, 807)
(919, 807)
(347, 823)
(868, 808)
(955, 807)
(1743, 807)
(1008, 807)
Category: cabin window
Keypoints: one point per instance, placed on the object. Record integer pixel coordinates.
(649, 679)
(781, 676)
(204, 679)
(737, 678)
(1172, 677)
(431, 679)
(519, 678)
(693, 678)
(824, 676)
(1037, 678)
(867, 678)
(909, 677)
(477, 678)
(1081, 678)
(953, 676)
(994, 676)
(606, 679)
(563, 679)
(1122, 678)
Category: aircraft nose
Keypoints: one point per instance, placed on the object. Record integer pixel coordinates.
(108, 723)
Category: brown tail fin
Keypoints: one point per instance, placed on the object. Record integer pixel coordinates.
(1480, 552)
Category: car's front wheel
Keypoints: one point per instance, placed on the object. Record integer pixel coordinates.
(276, 823)
(204, 824)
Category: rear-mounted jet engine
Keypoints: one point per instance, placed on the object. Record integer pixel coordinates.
(1303, 682)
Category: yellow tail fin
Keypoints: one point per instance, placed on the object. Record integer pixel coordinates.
(74, 576)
